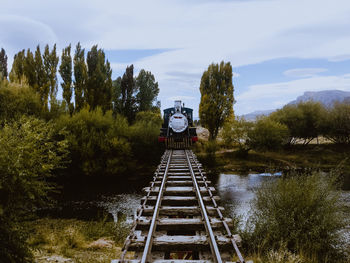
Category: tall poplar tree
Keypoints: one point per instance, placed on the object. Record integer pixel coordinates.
(66, 74)
(147, 90)
(29, 68)
(116, 95)
(80, 76)
(216, 104)
(50, 65)
(128, 90)
(99, 82)
(42, 85)
(17, 70)
(3, 64)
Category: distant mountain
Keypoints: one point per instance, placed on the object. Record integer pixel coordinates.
(326, 97)
(253, 115)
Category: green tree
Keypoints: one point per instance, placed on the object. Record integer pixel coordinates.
(66, 74)
(144, 134)
(17, 100)
(267, 134)
(304, 120)
(147, 90)
(29, 152)
(235, 132)
(99, 82)
(3, 64)
(97, 142)
(216, 104)
(80, 77)
(42, 85)
(116, 96)
(128, 91)
(29, 68)
(50, 65)
(337, 126)
(17, 70)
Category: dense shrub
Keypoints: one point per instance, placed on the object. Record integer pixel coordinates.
(338, 123)
(267, 134)
(18, 99)
(97, 142)
(29, 152)
(304, 120)
(235, 132)
(302, 214)
(144, 134)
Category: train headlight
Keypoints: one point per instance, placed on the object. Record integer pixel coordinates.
(178, 122)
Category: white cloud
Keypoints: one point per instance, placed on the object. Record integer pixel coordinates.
(18, 32)
(303, 72)
(200, 32)
(274, 95)
(340, 58)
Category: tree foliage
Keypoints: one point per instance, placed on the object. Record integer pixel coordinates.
(66, 74)
(42, 83)
(302, 213)
(29, 152)
(128, 91)
(80, 77)
(147, 90)
(50, 60)
(235, 133)
(338, 123)
(17, 70)
(97, 142)
(17, 100)
(216, 104)
(267, 134)
(304, 120)
(99, 81)
(3, 64)
(143, 135)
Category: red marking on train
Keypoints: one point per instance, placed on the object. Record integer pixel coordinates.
(161, 139)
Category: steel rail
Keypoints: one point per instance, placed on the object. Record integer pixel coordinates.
(133, 228)
(148, 245)
(213, 245)
(238, 253)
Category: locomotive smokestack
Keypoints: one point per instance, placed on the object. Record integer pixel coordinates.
(177, 106)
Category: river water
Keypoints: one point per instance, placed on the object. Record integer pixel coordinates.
(236, 192)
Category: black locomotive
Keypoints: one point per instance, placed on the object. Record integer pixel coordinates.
(177, 130)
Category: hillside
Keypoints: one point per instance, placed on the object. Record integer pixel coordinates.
(326, 97)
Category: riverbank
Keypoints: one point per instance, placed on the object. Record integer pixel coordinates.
(323, 157)
(72, 240)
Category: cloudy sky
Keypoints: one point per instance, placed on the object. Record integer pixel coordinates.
(278, 48)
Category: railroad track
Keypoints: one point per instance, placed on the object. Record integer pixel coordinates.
(180, 219)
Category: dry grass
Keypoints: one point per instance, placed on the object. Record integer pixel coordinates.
(71, 240)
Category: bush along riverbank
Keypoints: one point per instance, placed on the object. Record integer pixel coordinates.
(298, 218)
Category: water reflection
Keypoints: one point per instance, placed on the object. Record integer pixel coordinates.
(122, 206)
(237, 191)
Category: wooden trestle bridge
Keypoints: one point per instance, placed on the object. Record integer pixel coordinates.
(180, 219)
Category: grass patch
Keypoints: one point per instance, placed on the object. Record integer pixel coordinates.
(82, 241)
